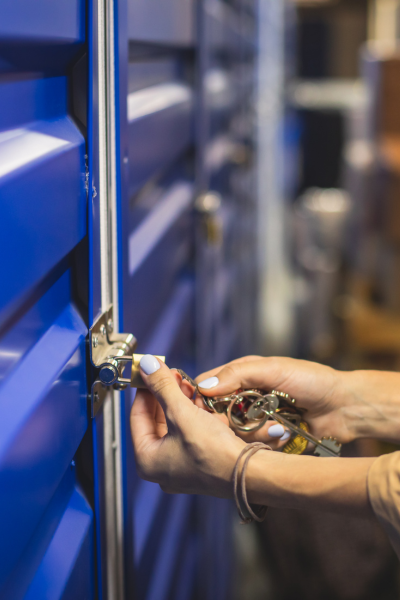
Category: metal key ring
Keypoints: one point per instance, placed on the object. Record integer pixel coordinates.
(245, 428)
(207, 401)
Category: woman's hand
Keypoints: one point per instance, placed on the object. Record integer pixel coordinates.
(321, 391)
(181, 447)
(188, 450)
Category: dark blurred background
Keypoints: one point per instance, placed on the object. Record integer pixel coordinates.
(341, 157)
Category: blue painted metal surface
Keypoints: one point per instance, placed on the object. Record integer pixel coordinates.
(61, 21)
(67, 566)
(177, 135)
(42, 171)
(43, 419)
(46, 524)
(162, 233)
(161, 118)
(169, 23)
(166, 118)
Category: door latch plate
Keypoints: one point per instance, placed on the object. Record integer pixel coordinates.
(107, 351)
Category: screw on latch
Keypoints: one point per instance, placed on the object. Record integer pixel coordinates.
(110, 325)
(96, 397)
(103, 330)
(95, 341)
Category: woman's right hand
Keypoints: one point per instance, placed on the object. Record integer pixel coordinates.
(322, 392)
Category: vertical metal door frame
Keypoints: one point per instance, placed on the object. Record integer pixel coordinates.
(113, 492)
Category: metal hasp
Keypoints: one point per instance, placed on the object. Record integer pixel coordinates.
(110, 352)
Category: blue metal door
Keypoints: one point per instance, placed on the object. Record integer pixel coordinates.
(226, 265)
(46, 514)
(157, 275)
(117, 119)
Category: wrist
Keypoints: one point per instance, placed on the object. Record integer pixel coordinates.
(230, 459)
(372, 406)
(265, 475)
(307, 482)
(347, 404)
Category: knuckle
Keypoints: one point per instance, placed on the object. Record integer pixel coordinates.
(163, 384)
(231, 371)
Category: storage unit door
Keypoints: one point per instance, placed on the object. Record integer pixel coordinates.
(46, 521)
(157, 286)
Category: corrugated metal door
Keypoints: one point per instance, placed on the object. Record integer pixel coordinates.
(46, 518)
(227, 224)
(157, 275)
(115, 117)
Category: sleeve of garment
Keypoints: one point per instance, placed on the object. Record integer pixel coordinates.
(384, 494)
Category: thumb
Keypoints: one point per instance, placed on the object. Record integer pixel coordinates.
(162, 383)
(260, 374)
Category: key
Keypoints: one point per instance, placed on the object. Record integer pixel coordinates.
(263, 407)
(207, 401)
(323, 447)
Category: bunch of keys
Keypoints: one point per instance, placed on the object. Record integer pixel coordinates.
(249, 410)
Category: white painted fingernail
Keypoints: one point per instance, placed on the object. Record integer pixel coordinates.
(276, 431)
(209, 383)
(149, 364)
(285, 436)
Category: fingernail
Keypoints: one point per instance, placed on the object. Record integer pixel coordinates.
(276, 431)
(285, 436)
(149, 364)
(209, 383)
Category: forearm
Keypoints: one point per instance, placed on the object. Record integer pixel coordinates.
(373, 406)
(305, 482)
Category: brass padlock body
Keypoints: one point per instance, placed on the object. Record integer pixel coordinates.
(136, 378)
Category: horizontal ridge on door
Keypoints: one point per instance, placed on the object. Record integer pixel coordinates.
(42, 178)
(43, 417)
(151, 231)
(160, 128)
(168, 22)
(43, 21)
(168, 326)
(68, 563)
(22, 573)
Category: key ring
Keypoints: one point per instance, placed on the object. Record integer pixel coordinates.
(246, 415)
(252, 424)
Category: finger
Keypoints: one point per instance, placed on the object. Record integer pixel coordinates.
(262, 373)
(273, 434)
(185, 386)
(199, 402)
(216, 370)
(163, 384)
(143, 419)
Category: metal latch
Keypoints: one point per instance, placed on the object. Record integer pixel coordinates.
(110, 353)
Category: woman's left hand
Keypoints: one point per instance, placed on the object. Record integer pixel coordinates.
(178, 445)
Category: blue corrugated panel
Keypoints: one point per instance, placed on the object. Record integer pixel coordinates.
(46, 535)
(43, 201)
(42, 21)
(160, 129)
(158, 249)
(66, 570)
(171, 22)
(43, 416)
